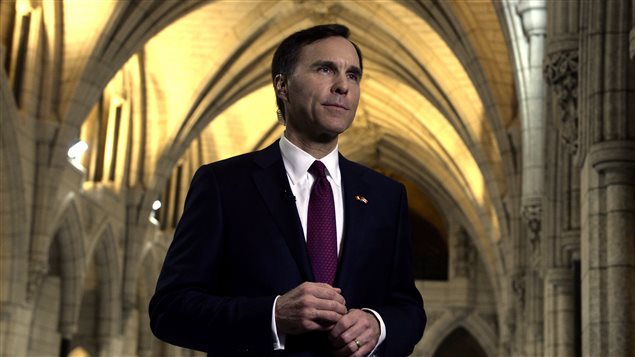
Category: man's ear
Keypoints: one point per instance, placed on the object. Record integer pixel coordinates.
(281, 87)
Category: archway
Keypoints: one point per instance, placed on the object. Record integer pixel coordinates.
(460, 342)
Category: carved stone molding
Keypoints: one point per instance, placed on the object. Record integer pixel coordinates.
(37, 271)
(532, 213)
(533, 14)
(465, 256)
(518, 287)
(613, 156)
(561, 73)
(560, 279)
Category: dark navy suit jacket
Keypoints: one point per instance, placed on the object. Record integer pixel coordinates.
(240, 243)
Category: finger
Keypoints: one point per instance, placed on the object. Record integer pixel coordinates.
(367, 343)
(309, 325)
(331, 305)
(342, 330)
(325, 291)
(356, 324)
(352, 349)
(318, 299)
(312, 302)
(325, 317)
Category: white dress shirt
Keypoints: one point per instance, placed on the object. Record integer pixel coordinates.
(297, 163)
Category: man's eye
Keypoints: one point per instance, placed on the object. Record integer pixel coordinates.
(324, 69)
(353, 76)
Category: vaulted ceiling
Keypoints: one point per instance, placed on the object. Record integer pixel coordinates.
(437, 99)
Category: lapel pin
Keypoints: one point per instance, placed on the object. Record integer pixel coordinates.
(361, 198)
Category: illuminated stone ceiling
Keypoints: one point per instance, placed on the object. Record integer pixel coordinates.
(437, 93)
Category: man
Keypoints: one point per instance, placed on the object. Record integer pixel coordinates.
(294, 250)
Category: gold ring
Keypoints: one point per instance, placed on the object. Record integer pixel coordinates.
(359, 345)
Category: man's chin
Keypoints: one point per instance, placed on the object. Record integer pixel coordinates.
(326, 138)
(330, 133)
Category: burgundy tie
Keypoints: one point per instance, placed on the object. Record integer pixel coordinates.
(321, 231)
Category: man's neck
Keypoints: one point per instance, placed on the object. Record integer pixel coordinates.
(316, 149)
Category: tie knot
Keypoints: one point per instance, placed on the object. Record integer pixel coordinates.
(318, 169)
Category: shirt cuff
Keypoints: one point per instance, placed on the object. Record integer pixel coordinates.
(278, 339)
(382, 331)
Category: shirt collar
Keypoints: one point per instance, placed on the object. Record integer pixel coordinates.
(298, 161)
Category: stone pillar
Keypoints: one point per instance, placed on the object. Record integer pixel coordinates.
(137, 224)
(609, 282)
(561, 226)
(527, 284)
(607, 145)
(559, 313)
(533, 15)
(534, 315)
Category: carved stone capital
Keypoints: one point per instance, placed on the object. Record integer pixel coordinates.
(617, 156)
(533, 14)
(561, 73)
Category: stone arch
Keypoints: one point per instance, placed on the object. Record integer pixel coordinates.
(216, 95)
(483, 332)
(460, 342)
(451, 200)
(59, 280)
(104, 261)
(71, 247)
(145, 289)
(136, 22)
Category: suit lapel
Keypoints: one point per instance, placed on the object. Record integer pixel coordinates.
(272, 183)
(354, 217)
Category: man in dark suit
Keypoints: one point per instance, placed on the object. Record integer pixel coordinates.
(294, 250)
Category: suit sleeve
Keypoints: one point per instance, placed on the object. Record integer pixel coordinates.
(403, 313)
(188, 308)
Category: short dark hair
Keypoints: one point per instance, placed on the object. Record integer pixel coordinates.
(286, 56)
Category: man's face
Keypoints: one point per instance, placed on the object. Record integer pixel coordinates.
(322, 93)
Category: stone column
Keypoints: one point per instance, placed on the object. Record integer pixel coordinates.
(529, 287)
(561, 228)
(533, 15)
(607, 144)
(559, 313)
(609, 282)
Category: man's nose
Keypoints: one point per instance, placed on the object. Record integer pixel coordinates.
(340, 86)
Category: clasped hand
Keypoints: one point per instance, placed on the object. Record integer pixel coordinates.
(321, 307)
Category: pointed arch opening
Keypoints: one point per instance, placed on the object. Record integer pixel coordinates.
(460, 342)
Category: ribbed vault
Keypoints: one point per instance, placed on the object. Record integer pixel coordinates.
(437, 97)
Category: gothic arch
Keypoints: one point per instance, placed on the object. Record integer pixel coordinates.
(105, 255)
(73, 257)
(446, 191)
(483, 332)
(218, 95)
(69, 238)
